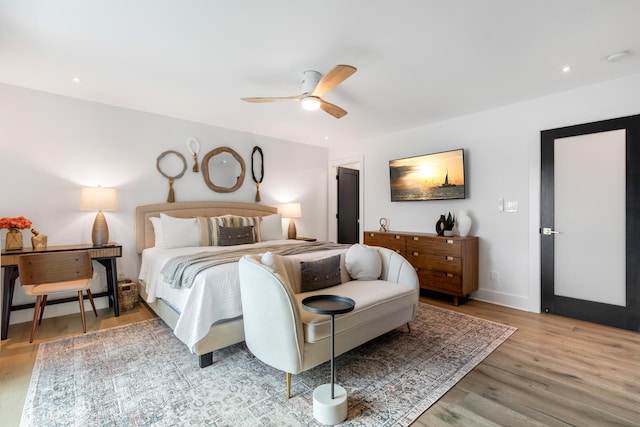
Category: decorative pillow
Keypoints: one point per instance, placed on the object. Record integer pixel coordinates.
(276, 262)
(230, 236)
(179, 232)
(363, 262)
(271, 227)
(157, 230)
(320, 274)
(243, 221)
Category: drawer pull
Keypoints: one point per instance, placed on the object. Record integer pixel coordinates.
(449, 258)
(449, 275)
(449, 241)
(397, 251)
(416, 253)
(416, 238)
(397, 237)
(371, 234)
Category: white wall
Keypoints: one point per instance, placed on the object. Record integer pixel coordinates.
(502, 154)
(53, 145)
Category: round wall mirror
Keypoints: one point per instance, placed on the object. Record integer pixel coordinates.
(223, 170)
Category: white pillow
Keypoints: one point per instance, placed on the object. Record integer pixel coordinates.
(157, 230)
(179, 232)
(363, 262)
(271, 227)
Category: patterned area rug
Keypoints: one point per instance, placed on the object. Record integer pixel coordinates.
(140, 374)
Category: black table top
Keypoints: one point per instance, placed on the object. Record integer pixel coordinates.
(328, 304)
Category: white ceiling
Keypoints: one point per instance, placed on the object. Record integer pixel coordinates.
(419, 61)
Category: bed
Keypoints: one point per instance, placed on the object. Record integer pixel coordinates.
(205, 317)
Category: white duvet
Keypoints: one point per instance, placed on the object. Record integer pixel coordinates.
(214, 296)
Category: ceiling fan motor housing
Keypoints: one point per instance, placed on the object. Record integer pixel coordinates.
(310, 80)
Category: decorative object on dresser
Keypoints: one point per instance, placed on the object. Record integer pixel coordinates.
(194, 146)
(99, 199)
(227, 173)
(449, 223)
(447, 265)
(171, 197)
(440, 226)
(13, 239)
(257, 161)
(464, 223)
(384, 224)
(291, 210)
(38, 241)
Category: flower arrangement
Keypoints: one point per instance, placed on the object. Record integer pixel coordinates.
(14, 224)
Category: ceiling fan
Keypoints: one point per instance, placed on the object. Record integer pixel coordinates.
(314, 85)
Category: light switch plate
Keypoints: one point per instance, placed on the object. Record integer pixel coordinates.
(511, 206)
(500, 205)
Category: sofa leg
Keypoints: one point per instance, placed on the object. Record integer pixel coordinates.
(408, 327)
(288, 385)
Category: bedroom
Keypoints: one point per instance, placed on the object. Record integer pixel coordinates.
(53, 145)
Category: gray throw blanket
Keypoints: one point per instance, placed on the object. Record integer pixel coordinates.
(181, 271)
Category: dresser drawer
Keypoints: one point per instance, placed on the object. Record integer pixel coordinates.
(440, 280)
(392, 241)
(439, 245)
(447, 264)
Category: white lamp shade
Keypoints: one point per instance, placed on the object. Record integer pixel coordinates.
(290, 210)
(98, 199)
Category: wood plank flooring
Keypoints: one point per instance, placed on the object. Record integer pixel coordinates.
(553, 371)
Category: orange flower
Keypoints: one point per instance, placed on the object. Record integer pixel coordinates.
(15, 223)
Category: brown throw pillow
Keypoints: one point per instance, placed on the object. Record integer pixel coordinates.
(229, 236)
(320, 274)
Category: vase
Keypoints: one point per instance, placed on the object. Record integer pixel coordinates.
(464, 223)
(440, 226)
(13, 240)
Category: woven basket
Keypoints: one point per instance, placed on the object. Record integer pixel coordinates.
(127, 289)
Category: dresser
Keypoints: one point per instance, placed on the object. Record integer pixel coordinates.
(448, 265)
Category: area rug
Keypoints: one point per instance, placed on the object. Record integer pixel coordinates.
(141, 374)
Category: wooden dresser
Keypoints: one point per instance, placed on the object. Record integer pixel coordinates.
(447, 265)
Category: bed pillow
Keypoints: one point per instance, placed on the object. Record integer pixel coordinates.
(231, 236)
(157, 230)
(179, 232)
(319, 274)
(363, 262)
(271, 227)
(243, 221)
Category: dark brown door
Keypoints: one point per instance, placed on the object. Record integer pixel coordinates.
(580, 277)
(348, 205)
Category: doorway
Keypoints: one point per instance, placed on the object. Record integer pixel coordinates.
(348, 216)
(590, 222)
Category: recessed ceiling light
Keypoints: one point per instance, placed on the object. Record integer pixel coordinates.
(617, 56)
(567, 68)
(76, 79)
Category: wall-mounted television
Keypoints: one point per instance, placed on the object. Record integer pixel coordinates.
(436, 176)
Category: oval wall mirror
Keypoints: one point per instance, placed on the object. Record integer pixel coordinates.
(223, 170)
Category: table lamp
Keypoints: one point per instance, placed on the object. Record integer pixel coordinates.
(99, 199)
(291, 210)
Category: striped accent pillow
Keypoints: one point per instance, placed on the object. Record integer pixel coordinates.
(211, 227)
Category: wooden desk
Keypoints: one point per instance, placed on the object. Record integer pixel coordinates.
(105, 255)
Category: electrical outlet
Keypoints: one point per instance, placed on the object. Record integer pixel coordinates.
(494, 277)
(511, 206)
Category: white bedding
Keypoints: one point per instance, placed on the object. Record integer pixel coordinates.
(214, 296)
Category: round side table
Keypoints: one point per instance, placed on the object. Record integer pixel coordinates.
(329, 400)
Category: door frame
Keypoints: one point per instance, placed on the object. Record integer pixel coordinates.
(622, 317)
(354, 162)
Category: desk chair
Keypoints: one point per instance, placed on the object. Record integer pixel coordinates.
(54, 272)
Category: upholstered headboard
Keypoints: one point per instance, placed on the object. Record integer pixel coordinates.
(145, 238)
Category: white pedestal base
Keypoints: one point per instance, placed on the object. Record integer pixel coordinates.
(330, 411)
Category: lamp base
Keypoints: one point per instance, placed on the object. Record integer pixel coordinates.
(100, 230)
(292, 233)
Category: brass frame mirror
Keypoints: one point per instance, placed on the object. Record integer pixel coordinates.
(206, 175)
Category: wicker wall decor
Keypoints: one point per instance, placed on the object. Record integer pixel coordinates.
(171, 197)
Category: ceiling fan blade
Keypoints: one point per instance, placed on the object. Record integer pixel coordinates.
(273, 99)
(332, 109)
(333, 78)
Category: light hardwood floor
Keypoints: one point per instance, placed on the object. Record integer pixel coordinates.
(553, 371)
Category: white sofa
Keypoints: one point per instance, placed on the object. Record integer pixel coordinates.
(279, 332)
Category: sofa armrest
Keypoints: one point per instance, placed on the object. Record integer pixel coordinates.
(395, 268)
(272, 322)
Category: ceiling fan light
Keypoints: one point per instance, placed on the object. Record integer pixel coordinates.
(310, 103)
